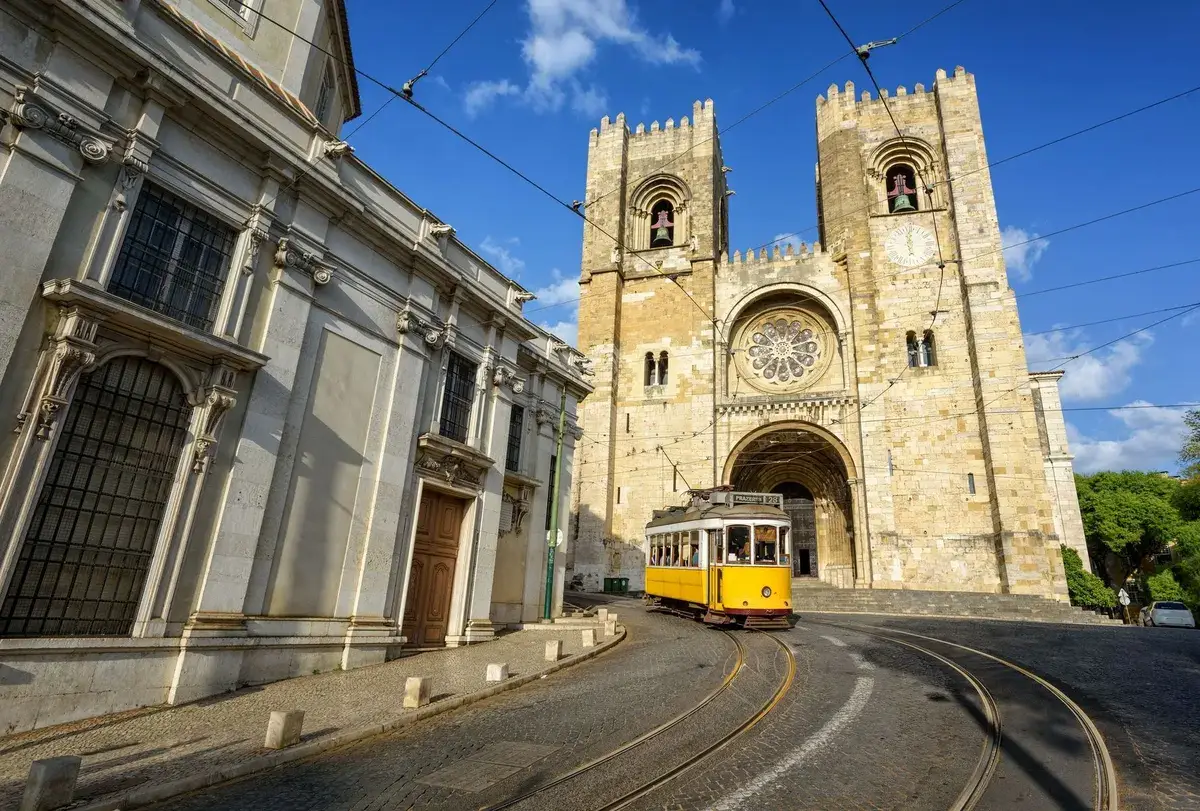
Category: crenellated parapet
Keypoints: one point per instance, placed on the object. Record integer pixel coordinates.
(788, 255)
(838, 104)
(703, 118)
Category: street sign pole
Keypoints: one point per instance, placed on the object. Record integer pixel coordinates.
(552, 535)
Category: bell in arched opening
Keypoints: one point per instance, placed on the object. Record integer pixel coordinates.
(902, 197)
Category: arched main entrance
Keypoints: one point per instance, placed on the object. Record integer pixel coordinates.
(811, 470)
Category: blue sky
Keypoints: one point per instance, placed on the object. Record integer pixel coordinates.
(534, 76)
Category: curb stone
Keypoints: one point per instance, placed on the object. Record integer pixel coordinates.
(155, 793)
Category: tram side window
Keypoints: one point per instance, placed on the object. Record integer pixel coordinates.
(739, 544)
(784, 547)
(717, 536)
(766, 541)
(694, 557)
(653, 550)
(674, 549)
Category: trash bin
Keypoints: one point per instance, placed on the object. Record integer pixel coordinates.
(620, 585)
(608, 585)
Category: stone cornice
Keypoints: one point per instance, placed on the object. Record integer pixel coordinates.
(31, 112)
(149, 325)
(784, 403)
(457, 464)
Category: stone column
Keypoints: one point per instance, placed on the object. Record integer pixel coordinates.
(381, 567)
(47, 151)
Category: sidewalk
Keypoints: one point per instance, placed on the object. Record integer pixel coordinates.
(145, 751)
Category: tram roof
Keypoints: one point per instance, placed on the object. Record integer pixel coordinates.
(679, 515)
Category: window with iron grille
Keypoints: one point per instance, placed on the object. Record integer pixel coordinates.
(457, 398)
(236, 6)
(516, 425)
(83, 562)
(174, 258)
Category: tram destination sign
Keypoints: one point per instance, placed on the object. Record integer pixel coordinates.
(735, 498)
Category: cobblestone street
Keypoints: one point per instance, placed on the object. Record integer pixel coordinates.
(867, 723)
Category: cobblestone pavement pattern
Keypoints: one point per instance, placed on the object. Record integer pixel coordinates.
(162, 744)
(1139, 685)
(664, 667)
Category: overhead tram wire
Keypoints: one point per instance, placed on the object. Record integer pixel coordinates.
(1021, 154)
(310, 165)
(779, 97)
(863, 52)
(1065, 328)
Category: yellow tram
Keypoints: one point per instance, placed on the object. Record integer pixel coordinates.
(723, 559)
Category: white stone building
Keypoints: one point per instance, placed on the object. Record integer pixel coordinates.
(269, 415)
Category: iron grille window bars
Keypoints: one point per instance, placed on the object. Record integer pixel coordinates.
(173, 259)
(83, 562)
(516, 424)
(457, 399)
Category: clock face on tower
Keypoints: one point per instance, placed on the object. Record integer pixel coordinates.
(910, 245)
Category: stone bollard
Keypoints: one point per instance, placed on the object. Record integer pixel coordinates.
(417, 690)
(51, 783)
(554, 650)
(283, 730)
(610, 628)
(602, 615)
(497, 672)
(589, 637)
(611, 618)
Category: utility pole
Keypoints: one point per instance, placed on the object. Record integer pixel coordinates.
(552, 535)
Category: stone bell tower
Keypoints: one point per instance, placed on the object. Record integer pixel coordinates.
(950, 432)
(659, 200)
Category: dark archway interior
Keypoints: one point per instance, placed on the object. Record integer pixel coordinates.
(809, 473)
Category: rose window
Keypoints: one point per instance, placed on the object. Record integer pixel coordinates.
(783, 349)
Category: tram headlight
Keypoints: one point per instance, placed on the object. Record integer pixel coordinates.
(766, 592)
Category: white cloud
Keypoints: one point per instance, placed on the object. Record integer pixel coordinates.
(511, 266)
(725, 11)
(440, 81)
(563, 39)
(567, 330)
(1152, 441)
(1022, 250)
(1097, 376)
(559, 291)
(481, 94)
(590, 102)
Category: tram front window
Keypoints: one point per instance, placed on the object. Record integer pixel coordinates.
(766, 543)
(739, 544)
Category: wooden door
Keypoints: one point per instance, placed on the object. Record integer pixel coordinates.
(431, 583)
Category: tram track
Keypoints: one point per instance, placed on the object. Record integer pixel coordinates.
(1105, 795)
(650, 785)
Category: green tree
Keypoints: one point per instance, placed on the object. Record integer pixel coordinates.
(1128, 518)
(1084, 588)
(1163, 586)
(1187, 501)
(1190, 454)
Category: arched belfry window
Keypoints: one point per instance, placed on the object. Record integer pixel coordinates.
(928, 349)
(662, 369)
(651, 370)
(901, 188)
(921, 351)
(662, 224)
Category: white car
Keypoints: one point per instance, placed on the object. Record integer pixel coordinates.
(1168, 613)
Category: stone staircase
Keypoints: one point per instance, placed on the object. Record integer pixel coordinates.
(813, 596)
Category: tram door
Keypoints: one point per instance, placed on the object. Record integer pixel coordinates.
(804, 533)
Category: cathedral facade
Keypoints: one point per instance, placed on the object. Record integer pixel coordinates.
(877, 379)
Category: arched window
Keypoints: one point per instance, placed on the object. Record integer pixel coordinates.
(662, 224)
(971, 483)
(86, 554)
(901, 188)
(928, 350)
(651, 377)
(662, 369)
(914, 349)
